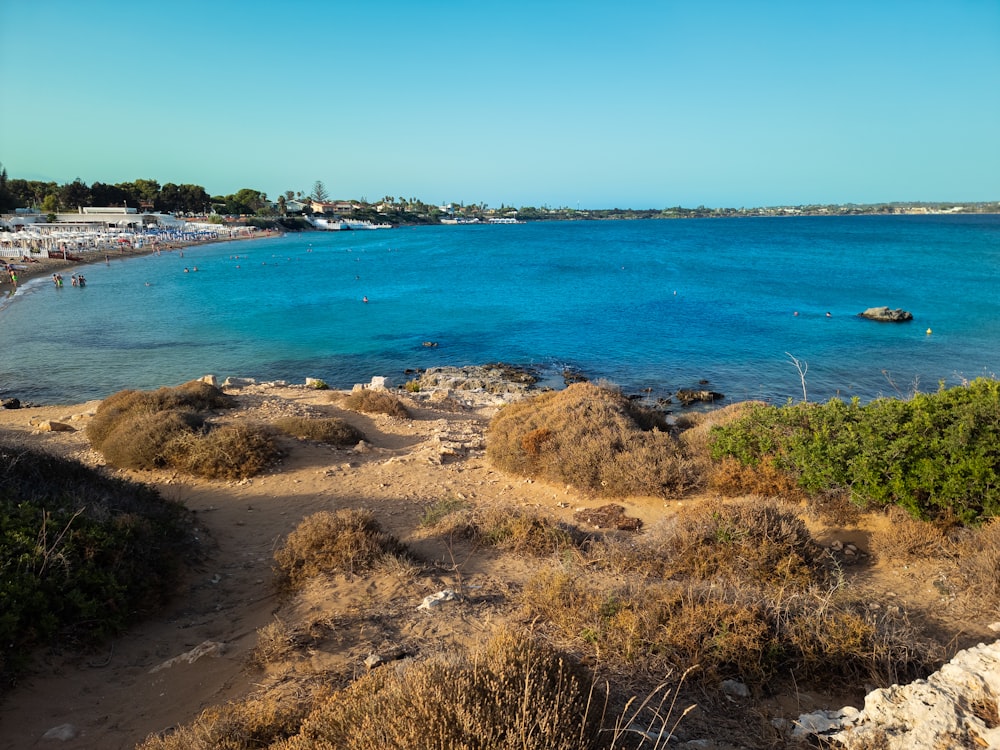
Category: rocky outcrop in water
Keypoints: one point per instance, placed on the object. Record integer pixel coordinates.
(885, 315)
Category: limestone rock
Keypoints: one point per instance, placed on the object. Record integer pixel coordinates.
(435, 600)
(50, 425)
(885, 315)
(954, 707)
(205, 648)
(210, 379)
(238, 382)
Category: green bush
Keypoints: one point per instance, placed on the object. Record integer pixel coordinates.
(81, 554)
(937, 455)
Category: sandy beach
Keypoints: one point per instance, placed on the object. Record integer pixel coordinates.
(31, 267)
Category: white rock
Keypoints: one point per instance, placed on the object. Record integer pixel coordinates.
(380, 382)
(210, 379)
(205, 648)
(62, 732)
(924, 715)
(435, 600)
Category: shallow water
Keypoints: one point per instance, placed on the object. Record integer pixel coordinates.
(645, 304)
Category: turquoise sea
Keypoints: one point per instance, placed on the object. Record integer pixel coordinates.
(656, 305)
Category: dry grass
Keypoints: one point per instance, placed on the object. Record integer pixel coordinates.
(594, 439)
(331, 430)
(232, 451)
(752, 634)
(509, 529)
(343, 541)
(730, 477)
(259, 721)
(373, 401)
(516, 692)
(166, 428)
(144, 440)
(978, 567)
(751, 543)
(906, 539)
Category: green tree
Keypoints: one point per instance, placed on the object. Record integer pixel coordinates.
(6, 198)
(193, 198)
(107, 195)
(319, 192)
(74, 194)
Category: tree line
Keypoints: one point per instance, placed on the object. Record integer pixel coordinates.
(143, 194)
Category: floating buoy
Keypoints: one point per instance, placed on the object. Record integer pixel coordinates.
(929, 332)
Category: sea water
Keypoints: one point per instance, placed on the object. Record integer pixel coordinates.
(652, 306)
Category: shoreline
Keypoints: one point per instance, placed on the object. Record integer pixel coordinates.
(41, 267)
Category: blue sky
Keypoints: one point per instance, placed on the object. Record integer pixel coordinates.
(597, 104)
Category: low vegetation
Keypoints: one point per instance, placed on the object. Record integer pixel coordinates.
(936, 455)
(592, 438)
(343, 541)
(513, 692)
(373, 401)
(330, 430)
(81, 554)
(735, 589)
(743, 590)
(168, 428)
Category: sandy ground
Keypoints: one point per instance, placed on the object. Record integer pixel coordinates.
(137, 685)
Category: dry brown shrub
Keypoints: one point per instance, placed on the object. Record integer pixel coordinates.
(232, 451)
(906, 539)
(979, 566)
(592, 438)
(343, 541)
(755, 543)
(754, 634)
(142, 429)
(834, 507)
(262, 720)
(510, 529)
(730, 477)
(332, 430)
(374, 401)
(141, 440)
(195, 396)
(515, 692)
(275, 643)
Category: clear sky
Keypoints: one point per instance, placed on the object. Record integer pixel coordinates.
(638, 104)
